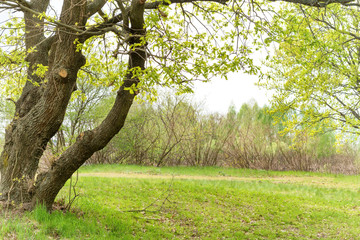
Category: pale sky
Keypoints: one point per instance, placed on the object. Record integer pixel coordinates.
(219, 94)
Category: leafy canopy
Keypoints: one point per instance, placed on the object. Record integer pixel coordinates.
(315, 68)
(184, 43)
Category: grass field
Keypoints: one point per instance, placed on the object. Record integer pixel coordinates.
(132, 202)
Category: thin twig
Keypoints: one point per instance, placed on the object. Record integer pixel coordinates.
(156, 200)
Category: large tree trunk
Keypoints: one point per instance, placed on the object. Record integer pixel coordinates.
(40, 110)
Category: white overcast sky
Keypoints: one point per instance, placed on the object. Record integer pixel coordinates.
(219, 94)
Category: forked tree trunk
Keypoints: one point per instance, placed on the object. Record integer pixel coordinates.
(40, 110)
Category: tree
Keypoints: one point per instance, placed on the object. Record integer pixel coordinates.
(135, 44)
(83, 112)
(315, 69)
(44, 53)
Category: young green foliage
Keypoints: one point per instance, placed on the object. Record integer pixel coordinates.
(315, 68)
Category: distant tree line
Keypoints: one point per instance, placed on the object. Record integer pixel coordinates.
(175, 131)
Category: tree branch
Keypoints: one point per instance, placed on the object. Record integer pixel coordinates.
(108, 25)
(317, 3)
(125, 13)
(155, 5)
(94, 6)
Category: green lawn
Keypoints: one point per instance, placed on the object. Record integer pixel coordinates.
(222, 204)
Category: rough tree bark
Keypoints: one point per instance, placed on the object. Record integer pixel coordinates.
(40, 110)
